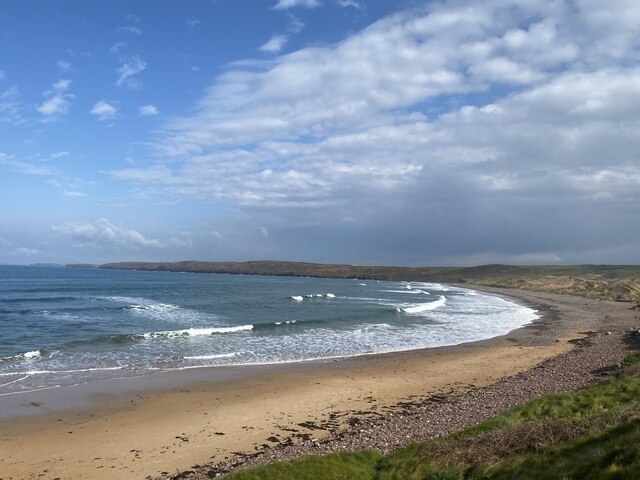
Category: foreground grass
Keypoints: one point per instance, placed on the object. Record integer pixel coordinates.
(339, 466)
(592, 433)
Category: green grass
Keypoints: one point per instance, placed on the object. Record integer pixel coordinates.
(592, 433)
(632, 359)
(338, 466)
(612, 454)
(608, 396)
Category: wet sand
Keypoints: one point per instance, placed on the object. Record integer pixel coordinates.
(174, 421)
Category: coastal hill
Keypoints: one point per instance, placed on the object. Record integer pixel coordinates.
(603, 282)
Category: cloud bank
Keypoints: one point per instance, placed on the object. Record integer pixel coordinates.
(464, 132)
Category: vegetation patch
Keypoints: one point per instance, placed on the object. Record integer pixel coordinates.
(592, 433)
(632, 359)
(338, 466)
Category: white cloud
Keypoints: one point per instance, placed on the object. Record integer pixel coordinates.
(295, 25)
(148, 110)
(42, 165)
(492, 120)
(2, 75)
(25, 167)
(264, 231)
(180, 242)
(117, 47)
(127, 71)
(192, 22)
(52, 156)
(104, 110)
(5, 242)
(62, 85)
(397, 62)
(358, 5)
(285, 4)
(64, 66)
(103, 232)
(10, 106)
(78, 53)
(56, 105)
(74, 194)
(274, 44)
(130, 30)
(26, 252)
(57, 100)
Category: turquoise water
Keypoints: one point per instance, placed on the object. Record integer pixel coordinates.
(61, 326)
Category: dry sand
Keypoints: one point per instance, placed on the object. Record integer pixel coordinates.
(132, 434)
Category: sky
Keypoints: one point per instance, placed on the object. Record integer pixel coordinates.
(342, 131)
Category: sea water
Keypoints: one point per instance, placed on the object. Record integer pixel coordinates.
(64, 326)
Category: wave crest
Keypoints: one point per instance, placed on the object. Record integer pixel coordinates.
(22, 356)
(196, 332)
(424, 307)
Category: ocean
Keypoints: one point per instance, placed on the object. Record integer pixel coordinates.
(65, 326)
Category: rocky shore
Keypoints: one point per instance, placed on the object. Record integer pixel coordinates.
(610, 335)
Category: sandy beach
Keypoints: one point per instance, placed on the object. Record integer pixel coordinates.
(175, 421)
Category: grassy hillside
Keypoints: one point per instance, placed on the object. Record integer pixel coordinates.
(587, 434)
(604, 282)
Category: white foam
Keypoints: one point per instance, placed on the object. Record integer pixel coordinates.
(424, 307)
(372, 327)
(14, 381)
(153, 306)
(286, 322)
(141, 303)
(315, 295)
(412, 292)
(297, 298)
(212, 357)
(44, 372)
(432, 286)
(22, 356)
(362, 284)
(195, 332)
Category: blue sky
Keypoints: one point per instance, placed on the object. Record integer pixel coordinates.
(452, 132)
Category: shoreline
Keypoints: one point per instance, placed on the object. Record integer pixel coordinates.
(82, 396)
(201, 420)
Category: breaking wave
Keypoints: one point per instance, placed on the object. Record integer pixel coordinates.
(300, 298)
(22, 356)
(196, 332)
(424, 307)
